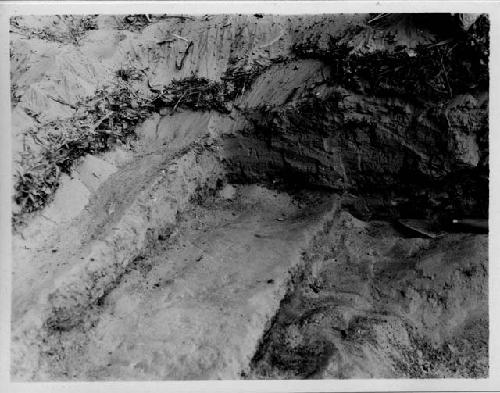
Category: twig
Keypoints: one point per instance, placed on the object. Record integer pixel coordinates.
(181, 17)
(178, 102)
(180, 38)
(186, 52)
(379, 16)
(99, 122)
(49, 219)
(450, 92)
(445, 42)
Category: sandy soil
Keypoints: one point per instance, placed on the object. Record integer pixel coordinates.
(195, 306)
(226, 245)
(374, 304)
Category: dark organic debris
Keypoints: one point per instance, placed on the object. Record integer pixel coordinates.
(433, 72)
(137, 22)
(239, 78)
(15, 95)
(192, 93)
(108, 118)
(130, 74)
(203, 94)
(73, 28)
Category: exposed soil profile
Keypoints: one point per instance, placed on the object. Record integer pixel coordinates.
(250, 196)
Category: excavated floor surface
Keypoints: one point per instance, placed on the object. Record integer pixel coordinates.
(196, 306)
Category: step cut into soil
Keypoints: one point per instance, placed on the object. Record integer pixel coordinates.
(249, 196)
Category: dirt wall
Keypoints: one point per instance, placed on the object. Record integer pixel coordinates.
(359, 103)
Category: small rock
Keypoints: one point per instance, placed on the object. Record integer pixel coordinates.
(228, 192)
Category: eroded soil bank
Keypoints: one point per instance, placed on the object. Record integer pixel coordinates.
(250, 196)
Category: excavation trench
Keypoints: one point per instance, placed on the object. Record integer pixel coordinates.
(276, 280)
(181, 275)
(283, 211)
(195, 307)
(206, 279)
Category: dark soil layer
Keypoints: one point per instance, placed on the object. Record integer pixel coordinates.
(405, 127)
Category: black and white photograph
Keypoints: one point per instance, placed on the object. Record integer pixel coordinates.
(249, 196)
